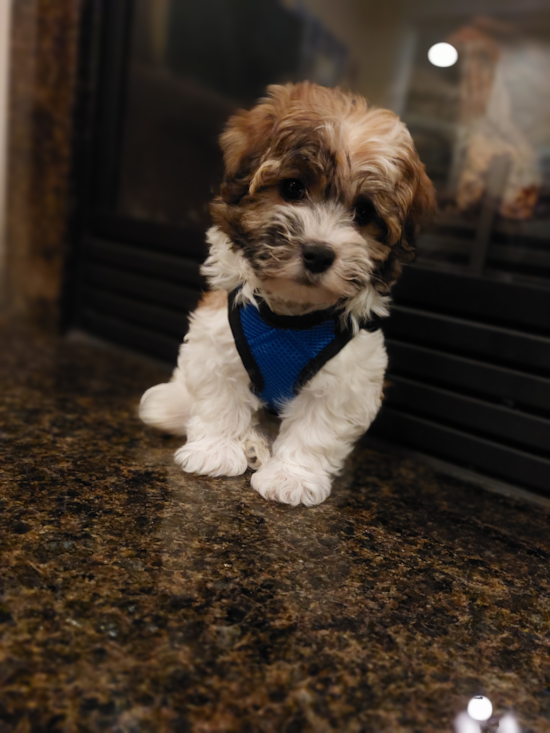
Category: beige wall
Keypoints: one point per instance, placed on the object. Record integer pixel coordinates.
(4, 58)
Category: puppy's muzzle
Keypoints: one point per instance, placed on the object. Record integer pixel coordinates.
(317, 256)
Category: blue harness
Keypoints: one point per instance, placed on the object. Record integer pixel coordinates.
(282, 353)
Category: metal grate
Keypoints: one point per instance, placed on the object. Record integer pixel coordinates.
(472, 384)
(138, 295)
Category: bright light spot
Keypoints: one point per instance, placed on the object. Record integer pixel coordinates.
(480, 708)
(508, 724)
(464, 724)
(443, 54)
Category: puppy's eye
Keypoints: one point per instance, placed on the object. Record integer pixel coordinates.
(292, 189)
(365, 213)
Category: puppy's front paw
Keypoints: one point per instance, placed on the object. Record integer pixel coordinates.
(223, 457)
(291, 484)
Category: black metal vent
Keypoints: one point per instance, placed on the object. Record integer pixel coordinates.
(140, 295)
(470, 385)
(469, 374)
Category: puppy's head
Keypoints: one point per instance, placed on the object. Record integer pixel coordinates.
(322, 197)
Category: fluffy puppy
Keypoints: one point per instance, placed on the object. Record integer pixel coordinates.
(319, 208)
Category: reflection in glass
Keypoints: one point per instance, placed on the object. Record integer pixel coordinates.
(482, 125)
(443, 55)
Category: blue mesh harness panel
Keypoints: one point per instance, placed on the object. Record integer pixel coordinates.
(282, 353)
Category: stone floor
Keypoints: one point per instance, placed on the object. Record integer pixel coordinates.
(135, 598)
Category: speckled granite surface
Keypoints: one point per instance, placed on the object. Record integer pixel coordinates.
(134, 598)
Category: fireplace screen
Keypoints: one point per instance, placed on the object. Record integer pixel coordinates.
(469, 336)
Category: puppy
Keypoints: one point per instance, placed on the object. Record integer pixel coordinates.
(319, 208)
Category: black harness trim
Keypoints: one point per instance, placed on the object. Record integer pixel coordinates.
(307, 321)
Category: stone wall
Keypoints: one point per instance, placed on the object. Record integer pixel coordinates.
(43, 71)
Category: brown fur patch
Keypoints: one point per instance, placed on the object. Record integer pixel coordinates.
(214, 299)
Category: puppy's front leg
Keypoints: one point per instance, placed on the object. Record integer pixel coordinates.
(221, 439)
(321, 424)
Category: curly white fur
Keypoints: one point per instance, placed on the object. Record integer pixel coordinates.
(209, 399)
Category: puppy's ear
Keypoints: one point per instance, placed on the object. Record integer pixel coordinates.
(421, 209)
(245, 140)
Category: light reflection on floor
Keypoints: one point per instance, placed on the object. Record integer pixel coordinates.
(477, 718)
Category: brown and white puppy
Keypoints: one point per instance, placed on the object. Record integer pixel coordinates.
(320, 205)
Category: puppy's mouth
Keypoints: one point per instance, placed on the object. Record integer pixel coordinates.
(302, 291)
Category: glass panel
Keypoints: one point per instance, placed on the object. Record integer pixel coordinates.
(192, 65)
(481, 125)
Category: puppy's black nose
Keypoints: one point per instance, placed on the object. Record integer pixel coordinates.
(318, 256)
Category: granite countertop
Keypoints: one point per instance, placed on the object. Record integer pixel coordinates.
(135, 598)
